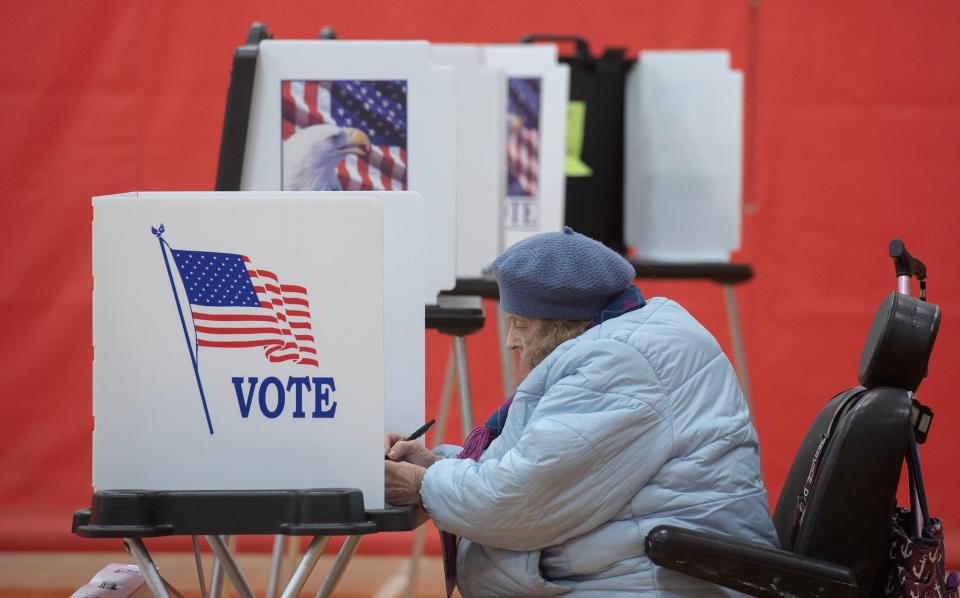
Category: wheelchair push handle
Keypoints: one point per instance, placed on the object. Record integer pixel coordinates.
(906, 264)
(907, 267)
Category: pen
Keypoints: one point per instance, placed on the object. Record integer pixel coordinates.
(421, 430)
(418, 432)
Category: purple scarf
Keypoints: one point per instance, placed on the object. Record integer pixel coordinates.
(480, 438)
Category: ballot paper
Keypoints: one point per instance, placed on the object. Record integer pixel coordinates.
(683, 156)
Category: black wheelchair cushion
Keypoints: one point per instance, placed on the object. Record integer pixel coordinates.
(899, 343)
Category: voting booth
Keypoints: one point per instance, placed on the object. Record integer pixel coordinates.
(593, 167)
(683, 160)
(240, 343)
(481, 161)
(251, 327)
(536, 129)
(683, 156)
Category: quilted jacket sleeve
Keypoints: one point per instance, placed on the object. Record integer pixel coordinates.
(584, 453)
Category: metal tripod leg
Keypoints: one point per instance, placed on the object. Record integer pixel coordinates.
(199, 562)
(413, 567)
(147, 567)
(739, 356)
(307, 562)
(229, 566)
(444, 409)
(216, 576)
(456, 363)
(339, 566)
(276, 564)
(463, 377)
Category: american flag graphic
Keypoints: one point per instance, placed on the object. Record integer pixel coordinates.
(523, 136)
(378, 108)
(236, 305)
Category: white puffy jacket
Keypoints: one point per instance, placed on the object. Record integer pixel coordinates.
(638, 422)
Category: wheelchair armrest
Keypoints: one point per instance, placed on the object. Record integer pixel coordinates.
(745, 567)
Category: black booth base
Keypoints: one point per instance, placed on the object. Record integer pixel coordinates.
(455, 316)
(719, 272)
(320, 512)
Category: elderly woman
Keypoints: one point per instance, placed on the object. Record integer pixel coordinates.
(630, 417)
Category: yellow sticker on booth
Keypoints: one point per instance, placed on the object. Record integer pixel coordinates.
(576, 119)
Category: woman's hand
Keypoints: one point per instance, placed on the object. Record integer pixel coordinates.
(389, 440)
(411, 452)
(401, 483)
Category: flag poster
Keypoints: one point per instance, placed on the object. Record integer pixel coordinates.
(523, 150)
(235, 305)
(231, 304)
(346, 135)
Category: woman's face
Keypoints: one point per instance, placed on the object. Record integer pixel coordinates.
(524, 337)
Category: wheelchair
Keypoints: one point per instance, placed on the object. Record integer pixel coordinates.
(833, 517)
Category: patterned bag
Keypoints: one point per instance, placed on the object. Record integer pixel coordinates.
(915, 565)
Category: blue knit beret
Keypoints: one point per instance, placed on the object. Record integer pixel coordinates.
(560, 276)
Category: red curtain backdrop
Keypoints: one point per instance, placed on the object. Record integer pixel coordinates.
(853, 137)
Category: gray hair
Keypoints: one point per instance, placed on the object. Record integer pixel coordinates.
(551, 334)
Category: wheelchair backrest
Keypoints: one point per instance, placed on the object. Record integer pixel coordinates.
(840, 492)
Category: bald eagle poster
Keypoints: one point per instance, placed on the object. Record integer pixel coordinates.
(346, 135)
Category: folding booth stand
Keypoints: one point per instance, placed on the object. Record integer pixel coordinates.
(136, 515)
